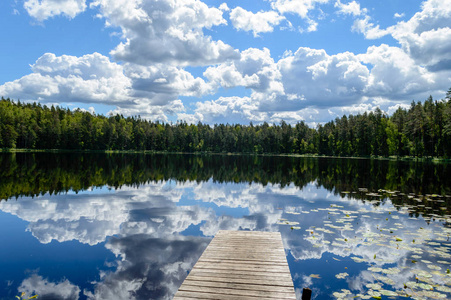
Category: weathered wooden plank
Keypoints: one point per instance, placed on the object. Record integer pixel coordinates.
(244, 261)
(245, 244)
(188, 295)
(241, 274)
(244, 249)
(240, 265)
(270, 281)
(238, 286)
(248, 256)
(237, 292)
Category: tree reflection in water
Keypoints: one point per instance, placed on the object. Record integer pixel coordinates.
(157, 213)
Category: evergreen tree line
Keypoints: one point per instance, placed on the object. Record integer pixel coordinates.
(423, 130)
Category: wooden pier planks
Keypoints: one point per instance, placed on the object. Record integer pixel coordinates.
(240, 265)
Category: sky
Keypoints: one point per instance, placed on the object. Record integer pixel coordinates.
(226, 61)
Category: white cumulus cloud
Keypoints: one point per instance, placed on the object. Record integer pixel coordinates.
(351, 8)
(426, 37)
(45, 289)
(166, 31)
(91, 78)
(300, 8)
(256, 22)
(44, 9)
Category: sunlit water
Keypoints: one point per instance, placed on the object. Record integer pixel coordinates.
(346, 236)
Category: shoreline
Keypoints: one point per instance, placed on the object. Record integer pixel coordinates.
(391, 158)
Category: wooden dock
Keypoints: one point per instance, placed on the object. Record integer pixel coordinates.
(240, 265)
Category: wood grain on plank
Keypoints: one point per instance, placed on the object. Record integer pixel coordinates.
(240, 265)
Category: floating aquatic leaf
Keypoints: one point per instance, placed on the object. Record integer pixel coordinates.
(358, 259)
(434, 244)
(343, 294)
(342, 275)
(374, 294)
(388, 293)
(375, 269)
(374, 286)
(391, 271)
(443, 288)
(425, 286)
(411, 284)
(422, 273)
(386, 280)
(287, 223)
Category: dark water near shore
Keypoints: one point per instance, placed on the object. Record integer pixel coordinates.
(99, 226)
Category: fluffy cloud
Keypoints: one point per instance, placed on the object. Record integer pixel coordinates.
(44, 9)
(91, 78)
(91, 219)
(166, 31)
(314, 86)
(164, 83)
(150, 268)
(322, 79)
(161, 38)
(255, 69)
(151, 91)
(369, 29)
(426, 37)
(395, 74)
(300, 8)
(230, 110)
(351, 8)
(257, 23)
(308, 85)
(36, 284)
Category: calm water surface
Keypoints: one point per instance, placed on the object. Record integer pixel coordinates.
(88, 226)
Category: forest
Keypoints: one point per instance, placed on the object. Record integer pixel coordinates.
(422, 130)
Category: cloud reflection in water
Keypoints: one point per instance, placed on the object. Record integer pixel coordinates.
(144, 228)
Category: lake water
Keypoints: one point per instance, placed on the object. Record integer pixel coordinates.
(97, 226)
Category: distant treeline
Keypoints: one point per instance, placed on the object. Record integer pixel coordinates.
(423, 130)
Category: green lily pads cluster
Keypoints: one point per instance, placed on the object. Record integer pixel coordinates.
(405, 254)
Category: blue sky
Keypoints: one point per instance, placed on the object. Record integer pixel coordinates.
(226, 61)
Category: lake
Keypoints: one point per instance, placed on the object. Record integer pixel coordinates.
(131, 226)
